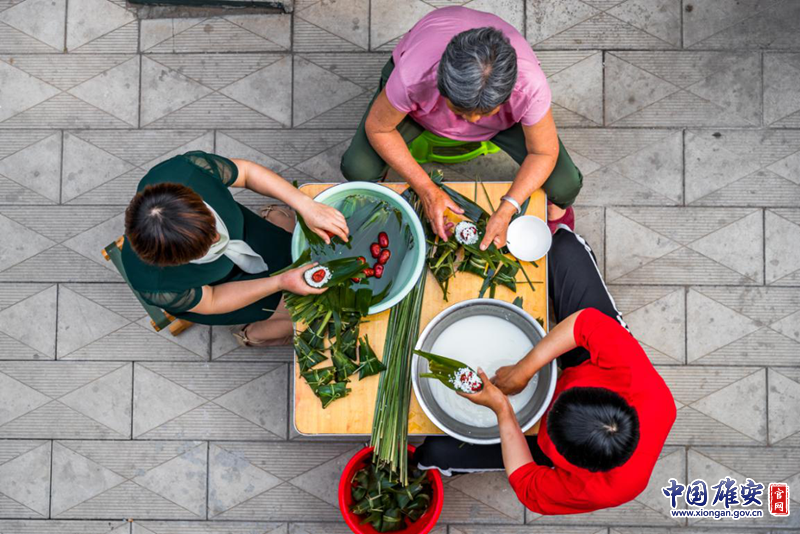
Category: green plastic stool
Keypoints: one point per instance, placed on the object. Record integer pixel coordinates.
(429, 147)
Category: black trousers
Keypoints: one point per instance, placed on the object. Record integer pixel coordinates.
(575, 283)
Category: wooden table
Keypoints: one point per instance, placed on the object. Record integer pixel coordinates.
(353, 414)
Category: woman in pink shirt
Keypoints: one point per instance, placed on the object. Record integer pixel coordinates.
(470, 76)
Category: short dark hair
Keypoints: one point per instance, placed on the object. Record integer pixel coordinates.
(168, 224)
(593, 428)
(478, 70)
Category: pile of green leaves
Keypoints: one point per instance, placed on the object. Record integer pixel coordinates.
(449, 257)
(386, 504)
(332, 321)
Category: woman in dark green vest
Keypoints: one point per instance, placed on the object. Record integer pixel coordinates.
(194, 251)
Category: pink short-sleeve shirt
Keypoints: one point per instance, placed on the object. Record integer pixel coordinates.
(412, 89)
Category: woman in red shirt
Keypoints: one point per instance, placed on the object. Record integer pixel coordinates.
(611, 411)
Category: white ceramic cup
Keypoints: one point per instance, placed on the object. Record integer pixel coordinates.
(528, 238)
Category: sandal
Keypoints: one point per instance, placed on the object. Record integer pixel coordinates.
(240, 335)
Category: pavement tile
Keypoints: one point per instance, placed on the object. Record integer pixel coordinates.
(231, 33)
(762, 464)
(70, 91)
(759, 25)
(632, 24)
(656, 316)
(525, 529)
(743, 168)
(781, 102)
(65, 400)
(101, 26)
(322, 26)
(217, 527)
(216, 90)
(210, 401)
(782, 247)
(30, 167)
(27, 321)
(146, 480)
(717, 405)
(65, 527)
(783, 396)
(481, 498)
(656, 246)
(24, 480)
(576, 82)
(276, 481)
(119, 328)
(337, 528)
(649, 508)
(683, 89)
(301, 155)
(627, 166)
(743, 326)
(333, 90)
(225, 348)
(390, 19)
(104, 167)
(590, 224)
(32, 26)
(59, 243)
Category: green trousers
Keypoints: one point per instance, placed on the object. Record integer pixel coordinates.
(362, 163)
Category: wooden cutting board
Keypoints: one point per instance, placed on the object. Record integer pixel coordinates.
(353, 414)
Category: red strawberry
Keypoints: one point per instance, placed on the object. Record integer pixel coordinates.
(384, 256)
(356, 280)
(378, 270)
(362, 259)
(318, 276)
(369, 272)
(383, 239)
(375, 250)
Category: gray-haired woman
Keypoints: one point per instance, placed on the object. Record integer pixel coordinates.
(470, 76)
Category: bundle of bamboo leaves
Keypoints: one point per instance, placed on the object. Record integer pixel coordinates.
(448, 257)
(390, 422)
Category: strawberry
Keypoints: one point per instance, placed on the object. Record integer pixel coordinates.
(383, 239)
(369, 272)
(375, 250)
(378, 270)
(362, 259)
(356, 280)
(384, 256)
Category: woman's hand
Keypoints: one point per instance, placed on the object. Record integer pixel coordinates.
(510, 379)
(489, 396)
(436, 202)
(497, 227)
(294, 282)
(325, 221)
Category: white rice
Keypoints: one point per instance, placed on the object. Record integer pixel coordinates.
(309, 274)
(466, 233)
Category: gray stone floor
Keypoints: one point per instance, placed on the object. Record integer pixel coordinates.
(683, 115)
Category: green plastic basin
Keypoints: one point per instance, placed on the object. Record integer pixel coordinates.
(413, 261)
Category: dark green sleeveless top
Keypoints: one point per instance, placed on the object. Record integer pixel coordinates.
(178, 288)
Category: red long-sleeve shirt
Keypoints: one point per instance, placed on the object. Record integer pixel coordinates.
(619, 364)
